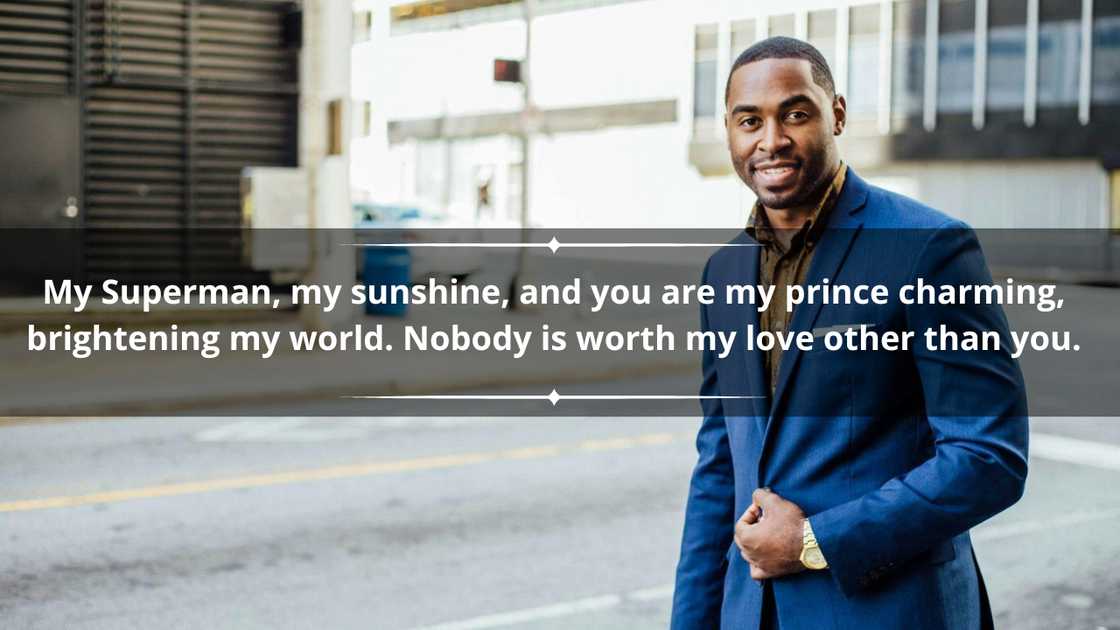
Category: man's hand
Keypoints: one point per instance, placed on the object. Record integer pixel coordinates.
(770, 534)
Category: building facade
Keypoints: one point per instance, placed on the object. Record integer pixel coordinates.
(1002, 112)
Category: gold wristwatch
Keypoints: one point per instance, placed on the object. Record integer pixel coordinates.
(811, 555)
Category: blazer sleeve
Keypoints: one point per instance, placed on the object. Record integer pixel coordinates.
(710, 513)
(976, 406)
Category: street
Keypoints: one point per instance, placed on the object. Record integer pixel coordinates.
(402, 523)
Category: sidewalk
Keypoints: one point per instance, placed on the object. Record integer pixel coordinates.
(145, 383)
(17, 312)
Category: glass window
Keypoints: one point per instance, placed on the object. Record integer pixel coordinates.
(1007, 54)
(822, 34)
(863, 60)
(956, 55)
(363, 25)
(1106, 51)
(782, 25)
(1059, 52)
(704, 81)
(742, 36)
(431, 170)
(908, 58)
(513, 192)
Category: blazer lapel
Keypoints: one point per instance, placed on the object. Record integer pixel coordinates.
(832, 250)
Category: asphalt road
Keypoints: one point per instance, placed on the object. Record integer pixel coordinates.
(401, 523)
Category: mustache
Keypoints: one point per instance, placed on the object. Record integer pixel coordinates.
(753, 163)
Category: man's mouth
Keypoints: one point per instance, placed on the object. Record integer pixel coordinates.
(776, 174)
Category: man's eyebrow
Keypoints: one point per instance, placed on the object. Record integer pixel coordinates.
(744, 109)
(796, 99)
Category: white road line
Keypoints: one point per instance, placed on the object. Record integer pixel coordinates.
(259, 429)
(651, 594)
(1010, 530)
(1060, 448)
(500, 620)
(561, 609)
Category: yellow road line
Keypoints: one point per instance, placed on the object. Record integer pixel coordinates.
(333, 472)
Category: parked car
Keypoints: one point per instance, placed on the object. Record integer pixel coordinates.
(410, 224)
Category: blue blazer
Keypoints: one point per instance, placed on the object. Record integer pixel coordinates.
(893, 455)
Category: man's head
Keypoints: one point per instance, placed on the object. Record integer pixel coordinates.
(783, 116)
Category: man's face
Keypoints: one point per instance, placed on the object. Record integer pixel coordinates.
(781, 129)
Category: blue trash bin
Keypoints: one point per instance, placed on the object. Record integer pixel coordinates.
(386, 267)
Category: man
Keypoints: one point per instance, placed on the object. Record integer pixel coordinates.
(835, 489)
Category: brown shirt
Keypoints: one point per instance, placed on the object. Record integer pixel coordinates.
(780, 266)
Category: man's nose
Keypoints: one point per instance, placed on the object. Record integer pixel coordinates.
(774, 139)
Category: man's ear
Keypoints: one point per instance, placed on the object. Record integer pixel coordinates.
(839, 114)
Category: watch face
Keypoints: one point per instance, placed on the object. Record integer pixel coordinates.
(814, 559)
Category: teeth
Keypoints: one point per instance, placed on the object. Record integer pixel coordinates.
(782, 170)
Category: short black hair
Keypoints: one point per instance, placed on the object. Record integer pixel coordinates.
(785, 48)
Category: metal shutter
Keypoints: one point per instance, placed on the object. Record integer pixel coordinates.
(180, 96)
(37, 39)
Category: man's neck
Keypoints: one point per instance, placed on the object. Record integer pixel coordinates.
(788, 219)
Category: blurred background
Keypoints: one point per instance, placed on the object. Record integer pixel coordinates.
(156, 140)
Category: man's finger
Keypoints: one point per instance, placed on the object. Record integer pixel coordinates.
(742, 534)
(750, 517)
(745, 536)
(765, 497)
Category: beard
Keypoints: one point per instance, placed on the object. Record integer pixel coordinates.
(813, 175)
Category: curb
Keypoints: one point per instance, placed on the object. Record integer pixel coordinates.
(181, 406)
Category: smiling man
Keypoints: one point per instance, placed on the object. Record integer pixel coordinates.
(836, 489)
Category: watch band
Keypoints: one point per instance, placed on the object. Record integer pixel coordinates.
(811, 555)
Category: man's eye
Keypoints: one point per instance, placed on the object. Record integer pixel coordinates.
(749, 122)
(798, 116)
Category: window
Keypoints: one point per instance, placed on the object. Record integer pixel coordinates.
(908, 60)
(863, 60)
(1059, 50)
(742, 36)
(363, 26)
(822, 35)
(956, 56)
(513, 192)
(704, 79)
(783, 25)
(1106, 52)
(432, 178)
(1007, 54)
